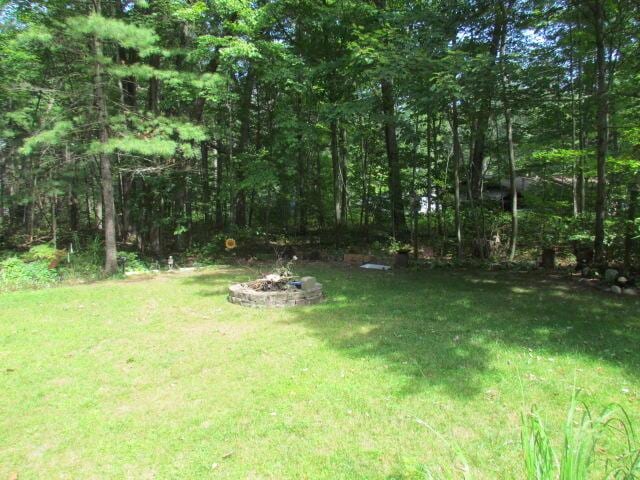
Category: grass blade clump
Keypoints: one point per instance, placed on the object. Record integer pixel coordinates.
(585, 437)
(539, 460)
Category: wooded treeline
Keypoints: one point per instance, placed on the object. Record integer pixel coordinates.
(161, 123)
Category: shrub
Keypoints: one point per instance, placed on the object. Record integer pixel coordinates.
(46, 253)
(40, 252)
(81, 267)
(133, 262)
(15, 273)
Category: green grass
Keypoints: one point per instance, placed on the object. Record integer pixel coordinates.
(162, 378)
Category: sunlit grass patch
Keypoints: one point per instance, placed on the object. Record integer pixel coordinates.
(164, 378)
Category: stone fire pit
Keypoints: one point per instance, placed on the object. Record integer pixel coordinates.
(309, 294)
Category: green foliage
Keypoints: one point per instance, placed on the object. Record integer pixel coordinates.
(133, 262)
(110, 29)
(15, 273)
(51, 137)
(44, 252)
(233, 112)
(133, 145)
(584, 437)
(82, 268)
(395, 246)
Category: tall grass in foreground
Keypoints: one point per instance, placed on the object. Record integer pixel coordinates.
(586, 439)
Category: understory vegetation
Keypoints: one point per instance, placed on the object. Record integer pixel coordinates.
(498, 130)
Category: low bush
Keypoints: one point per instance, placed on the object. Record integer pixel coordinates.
(82, 267)
(133, 263)
(15, 273)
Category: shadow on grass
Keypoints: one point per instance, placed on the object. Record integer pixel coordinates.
(442, 328)
(217, 282)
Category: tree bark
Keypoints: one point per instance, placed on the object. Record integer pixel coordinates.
(245, 118)
(219, 164)
(206, 186)
(597, 7)
(106, 180)
(484, 112)
(319, 196)
(153, 92)
(512, 182)
(339, 176)
(509, 132)
(457, 156)
(629, 234)
(399, 224)
(2, 199)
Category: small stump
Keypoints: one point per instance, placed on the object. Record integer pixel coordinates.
(309, 294)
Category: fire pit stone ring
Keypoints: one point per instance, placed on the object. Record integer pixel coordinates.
(309, 294)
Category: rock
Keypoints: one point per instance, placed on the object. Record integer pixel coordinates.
(610, 275)
(309, 283)
(630, 291)
(586, 271)
(616, 289)
(622, 280)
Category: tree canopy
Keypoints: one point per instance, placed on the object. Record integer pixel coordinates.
(158, 124)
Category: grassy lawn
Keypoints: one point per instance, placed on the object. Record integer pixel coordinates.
(162, 378)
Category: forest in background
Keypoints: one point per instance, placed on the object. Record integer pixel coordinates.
(164, 126)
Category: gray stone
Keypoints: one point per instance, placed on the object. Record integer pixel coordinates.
(242, 295)
(610, 275)
(630, 291)
(616, 289)
(308, 283)
(622, 280)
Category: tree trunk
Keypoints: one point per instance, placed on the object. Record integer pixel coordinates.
(364, 211)
(339, 176)
(219, 163)
(54, 220)
(574, 176)
(206, 187)
(484, 112)
(629, 234)
(512, 183)
(153, 92)
(106, 181)
(399, 224)
(245, 118)
(457, 156)
(509, 131)
(319, 197)
(2, 175)
(601, 127)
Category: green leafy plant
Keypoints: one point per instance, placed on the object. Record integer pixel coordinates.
(16, 274)
(41, 252)
(584, 435)
(132, 262)
(394, 246)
